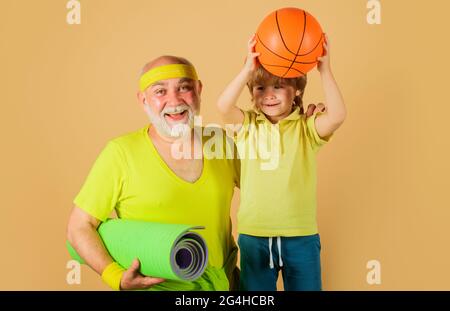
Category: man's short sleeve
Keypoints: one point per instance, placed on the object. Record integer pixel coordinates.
(103, 186)
(233, 158)
(311, 132)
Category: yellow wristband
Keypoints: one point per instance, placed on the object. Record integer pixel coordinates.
(112, 275)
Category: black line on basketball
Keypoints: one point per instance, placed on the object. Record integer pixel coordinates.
(281, 35)
(299, 71)
(300, 45)
(274, 53)
(313, 48)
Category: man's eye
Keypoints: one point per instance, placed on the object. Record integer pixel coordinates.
(186, 87)
(160, 92)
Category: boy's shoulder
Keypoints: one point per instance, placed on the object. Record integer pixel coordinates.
(252, 115)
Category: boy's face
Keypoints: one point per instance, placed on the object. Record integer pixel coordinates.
(274, 100)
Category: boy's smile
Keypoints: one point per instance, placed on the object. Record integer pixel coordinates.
(275, 101)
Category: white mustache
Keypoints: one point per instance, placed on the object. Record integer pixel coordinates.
(163, 127)
(176, 109)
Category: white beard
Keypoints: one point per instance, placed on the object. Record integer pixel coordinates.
(178, 130)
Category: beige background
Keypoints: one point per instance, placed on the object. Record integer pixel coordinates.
(382, 182)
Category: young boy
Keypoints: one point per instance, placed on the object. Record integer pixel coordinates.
(277, 215)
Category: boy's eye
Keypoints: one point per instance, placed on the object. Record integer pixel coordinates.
(278, 86)
(259, 88)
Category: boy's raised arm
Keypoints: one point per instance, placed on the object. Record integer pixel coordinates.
(228, 99)
(336, 112)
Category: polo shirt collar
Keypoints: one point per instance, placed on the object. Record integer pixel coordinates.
(295, 115)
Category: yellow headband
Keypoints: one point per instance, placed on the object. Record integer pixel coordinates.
(166, 72)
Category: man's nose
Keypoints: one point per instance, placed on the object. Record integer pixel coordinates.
(174, 98)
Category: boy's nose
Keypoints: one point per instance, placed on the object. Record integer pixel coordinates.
(269, 95)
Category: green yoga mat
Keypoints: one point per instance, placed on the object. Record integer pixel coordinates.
(169, 251)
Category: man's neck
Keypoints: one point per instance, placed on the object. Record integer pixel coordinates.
(155, 135)
(191, 139)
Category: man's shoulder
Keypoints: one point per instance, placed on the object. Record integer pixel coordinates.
(130, 137)
(129, 141)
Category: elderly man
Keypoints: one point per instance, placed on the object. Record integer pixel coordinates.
(137, 176)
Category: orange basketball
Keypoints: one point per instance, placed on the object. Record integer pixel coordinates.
(290, 40)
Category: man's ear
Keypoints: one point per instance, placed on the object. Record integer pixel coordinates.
(199, 87)
(141, 98)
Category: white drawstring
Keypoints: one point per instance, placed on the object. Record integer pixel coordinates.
(280, 261)
(270, 253)
(279, 251)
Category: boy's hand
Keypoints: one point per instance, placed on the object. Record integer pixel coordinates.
(324, 61)
(251, 63)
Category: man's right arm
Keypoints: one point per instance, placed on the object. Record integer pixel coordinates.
(84, 238)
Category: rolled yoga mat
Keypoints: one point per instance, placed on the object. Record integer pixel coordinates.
(169, 251)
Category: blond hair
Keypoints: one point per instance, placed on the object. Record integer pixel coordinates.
(262, 77)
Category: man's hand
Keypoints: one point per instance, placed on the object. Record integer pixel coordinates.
(312, 108)
(133, 279)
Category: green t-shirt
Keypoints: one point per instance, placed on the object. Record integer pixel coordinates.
(130, 177)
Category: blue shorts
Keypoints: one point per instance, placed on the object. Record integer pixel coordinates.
(261, 262)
